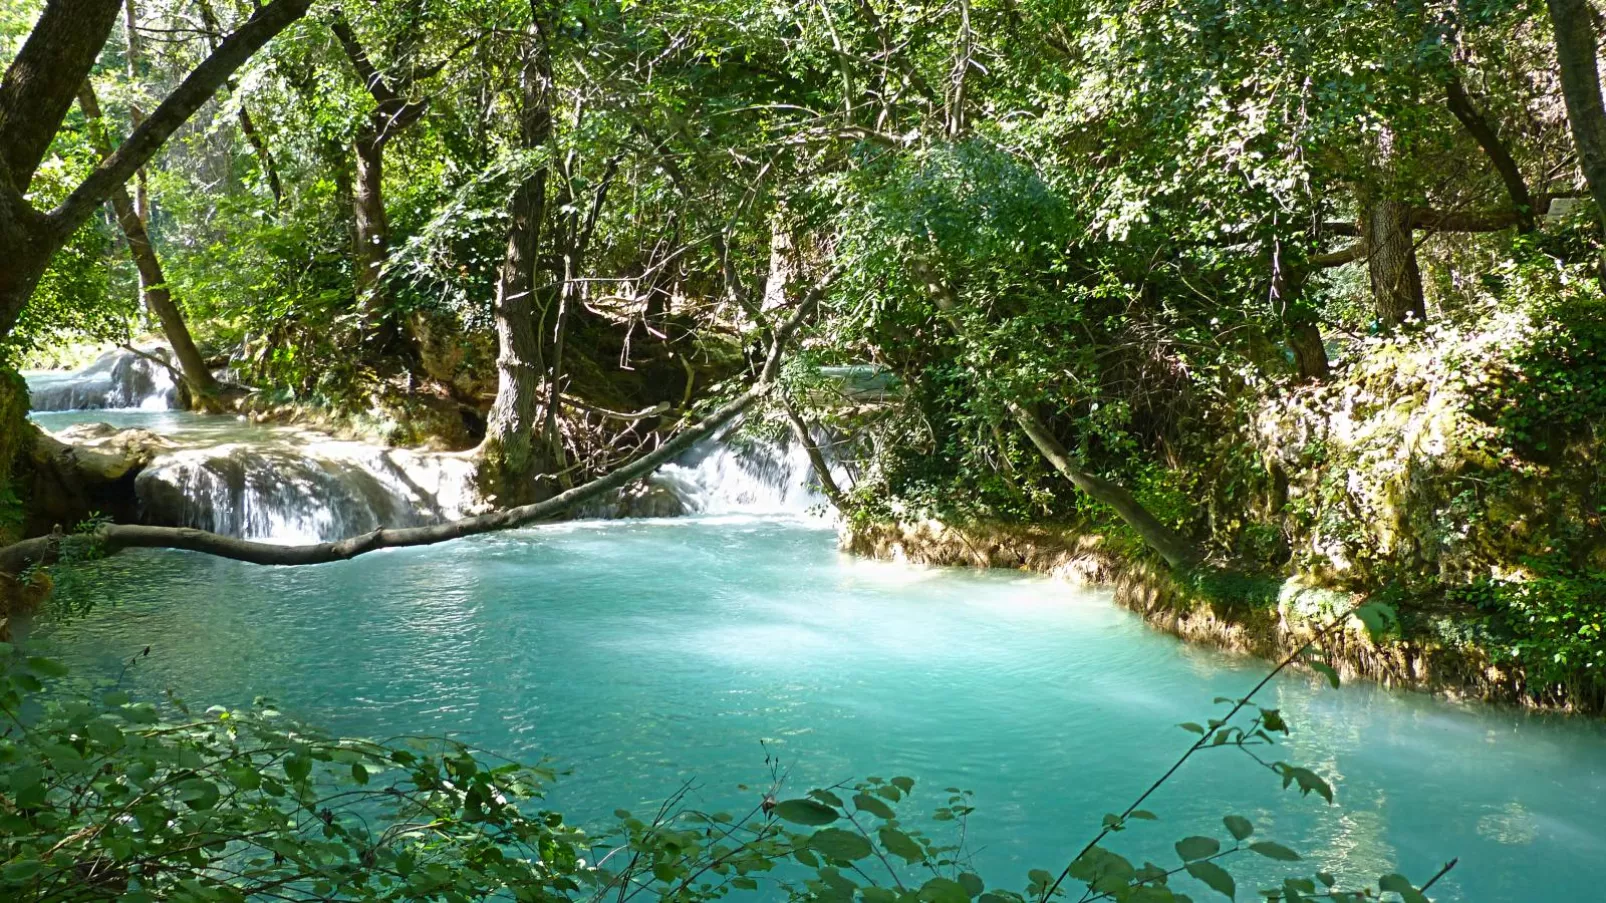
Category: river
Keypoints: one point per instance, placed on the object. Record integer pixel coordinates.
(642, 654)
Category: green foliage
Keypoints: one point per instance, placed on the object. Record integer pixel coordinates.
(1548, 618)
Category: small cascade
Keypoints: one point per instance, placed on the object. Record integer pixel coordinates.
(730, 474)
(287, 493)
(117, 379)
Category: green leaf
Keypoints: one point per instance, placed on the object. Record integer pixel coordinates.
(1275, 851)
(827, 797)
(867, 803)
(297, 768)
(836, 843)
(904, 784)
(900, 844)
(1192, 727)
(1191, 848)
(1326, 671)
(1144, 814)
(359, 773)
(1401, 885)
(21, 870)
(1238, 826)
(942, 890)
(804, 812)
(1216, 877)
(47, 667)
(972, 883)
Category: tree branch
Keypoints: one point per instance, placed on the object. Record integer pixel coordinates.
(189, 96)
(1484, 133)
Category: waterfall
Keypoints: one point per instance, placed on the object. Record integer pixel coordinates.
(287, 489)
(733, 474)
(117, 379)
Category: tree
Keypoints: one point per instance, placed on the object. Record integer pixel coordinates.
(509, 456)
(1577, 54)
(40, 86)
(203, 388)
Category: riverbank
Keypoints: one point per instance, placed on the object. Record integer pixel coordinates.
(1433, 650)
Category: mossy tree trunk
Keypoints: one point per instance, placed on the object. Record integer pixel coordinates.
(509, 458)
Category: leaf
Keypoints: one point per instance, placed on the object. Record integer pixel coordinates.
(1326, 671)
(1192, 727)
(359, 773)
(972, 883)
(900, 844)
(827, 797)
(47, 667)
(1238, 826)
(942, 890)
(804, 812)
(297, 768)
(904, 784)
(1191, 848)
(1144, 814)
(21, 870)
(1275, 851)
(1401, 885)
(1216, 877)
(867, 803)
(835, 843)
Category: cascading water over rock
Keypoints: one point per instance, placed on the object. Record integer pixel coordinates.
(117, 379)
(731, 473)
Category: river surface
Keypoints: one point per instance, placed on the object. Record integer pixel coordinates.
(639, 655)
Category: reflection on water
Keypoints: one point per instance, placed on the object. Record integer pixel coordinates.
(644, 654)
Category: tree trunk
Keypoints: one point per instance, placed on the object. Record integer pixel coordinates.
(152, 283)
(508, 459)
(372, 238)
(136, 115)
(1577, 54)
(43, 80)
(1391, 261)
(1177, 551)
(822, 467)
(1301, 327)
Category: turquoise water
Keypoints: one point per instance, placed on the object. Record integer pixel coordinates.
(640, 655)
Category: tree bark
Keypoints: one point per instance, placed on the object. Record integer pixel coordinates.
(392, 113)
(508, 460)
(18, 556)
(1177, 551)
(1391, 261)
(152, 282)
(38, 88)
(372, 237)
(1577, 55)
(43, 80)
